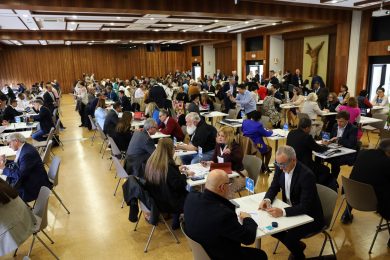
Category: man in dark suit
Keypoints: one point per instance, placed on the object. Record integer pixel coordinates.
(211, 220)
(322, 94)
(230, 88)
(110, 94)
(157, 94)
(112, 119)
(304, 144)
(170, 126)
(298, 185)
(10, 112)
(44, 118)
(296, 79)
(272, 80)
(26, 173)
(140, 148)
(124, 101)
(370, 168)
(345, 134)
(49, 99)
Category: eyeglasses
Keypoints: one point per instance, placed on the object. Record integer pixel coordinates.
(282, 165)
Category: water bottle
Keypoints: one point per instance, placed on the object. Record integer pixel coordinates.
(285, 128)
(242, 114)
(174, 141)
(200, 153)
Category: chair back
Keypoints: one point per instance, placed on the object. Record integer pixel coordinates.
(92, 122)
(265, 120)
(252, 165)
(40, 207)
(55, 111)
(217, 106)
(100, 130)
(232, 114)
(198, 251)
(328, 198)
(46, 153)
(379, 125)
(120, 171)
(54, 170)
(114, 148)
(360, 196)
(57, 126)
(302, 115)
(384, 134)
(247, 146)
(51, 134)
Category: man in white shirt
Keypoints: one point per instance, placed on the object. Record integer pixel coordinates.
(298, 185)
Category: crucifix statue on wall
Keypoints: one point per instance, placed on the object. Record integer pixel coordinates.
(314, 57)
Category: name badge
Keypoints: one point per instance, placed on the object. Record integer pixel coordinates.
(220, 159)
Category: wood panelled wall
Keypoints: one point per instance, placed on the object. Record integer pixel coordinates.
(223, 59)
(293, 54)
(67, 63)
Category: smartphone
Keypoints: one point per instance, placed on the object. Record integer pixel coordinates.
(197, 178)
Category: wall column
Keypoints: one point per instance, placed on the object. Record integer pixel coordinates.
(239, 58)
(354, 52)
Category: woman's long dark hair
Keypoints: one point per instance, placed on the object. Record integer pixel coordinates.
(6, 192)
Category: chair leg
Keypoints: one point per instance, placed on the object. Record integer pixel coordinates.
(60, 142)
(276, 247)
(368, 136)
(170, 230)
(123, 203)
(16, 250)
(111, 163)
(149, 239)
(338, 211)
(331, 244)
(139, 217)
(117, 185)
(105, 148)
(31, 246)
(46, 235)
(43, 243)
(101, 148)
(93, 137)
(59, 199)
(378, 228)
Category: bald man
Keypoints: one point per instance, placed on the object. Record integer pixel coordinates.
(211, 220)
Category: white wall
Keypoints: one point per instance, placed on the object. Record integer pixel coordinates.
(239, 57)
(276, 53)
(354, 52)
(208, 59)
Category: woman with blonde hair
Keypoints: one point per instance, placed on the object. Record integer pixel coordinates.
(164, 181)
(311, 108)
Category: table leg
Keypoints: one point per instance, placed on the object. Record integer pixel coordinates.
(258, 243)
(276, 147)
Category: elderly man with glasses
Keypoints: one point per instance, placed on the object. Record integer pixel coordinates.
(26, 173)
(298, 185)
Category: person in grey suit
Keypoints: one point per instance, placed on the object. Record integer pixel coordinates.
(112, 119)
(140, 148)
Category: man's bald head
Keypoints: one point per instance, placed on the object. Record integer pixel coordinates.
(217, 181)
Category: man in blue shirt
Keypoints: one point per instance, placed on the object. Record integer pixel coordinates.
(245, 99)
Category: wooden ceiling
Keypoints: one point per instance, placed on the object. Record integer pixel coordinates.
(175, 21)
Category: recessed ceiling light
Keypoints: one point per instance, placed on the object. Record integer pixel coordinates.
(151, 18)
(67, 42)
(254, 28)
(273, 23)
(144, 42)
(71, 29)
(112, 23)
(111, 41)
(73, 23)
(210, 31)
(74, 16)
(170, 24)
(118, 18)
(130, 41)
(25, 15)
(228, 26)
(200, 26)
(90, 43)
(34, 29)
(182, 20)
(246, 22)
(156, 30)
(216, 21)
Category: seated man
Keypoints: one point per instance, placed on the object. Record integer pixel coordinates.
(211, 221)
(44, 118)
(298, 185)
(140, 148)
(345, 134)
(10, 111)
(170, 126)
(112, 119)
(370, 168)
(26, 173)
(124, 101)
(202, 140)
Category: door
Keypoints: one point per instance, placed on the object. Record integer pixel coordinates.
(380, 76)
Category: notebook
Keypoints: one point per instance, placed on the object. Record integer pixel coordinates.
(227, 167)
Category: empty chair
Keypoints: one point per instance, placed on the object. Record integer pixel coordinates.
(377, 125)
(57, 133)
(252, 165)
(93, 127)
(42, 144)
(53, 177)
(361, 196)
(115, 152)
(40, 213)
(197, 249)
(147, 212)
(45, 156)
(328, 198)
(232, 114)
(103, 137)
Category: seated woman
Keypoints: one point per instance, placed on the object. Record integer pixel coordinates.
(16, 219)
(254, 129)
(297, 100)
(206, 103)
(152, 111)
(311, 108)
(354, 113)
(164, 181)
(123, 133)
(101, 112)
(380, 99)
(331, 105)
(363, 103)
(270, 109)
(343, 95)
(194, 105)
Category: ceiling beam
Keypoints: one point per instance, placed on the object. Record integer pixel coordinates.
(190, 8)
(111, 35)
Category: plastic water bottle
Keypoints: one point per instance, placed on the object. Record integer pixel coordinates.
(285, 128)
(174, 141)
(200, 153)
(242, 114)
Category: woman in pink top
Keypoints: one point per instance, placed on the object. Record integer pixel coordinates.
(354, 113)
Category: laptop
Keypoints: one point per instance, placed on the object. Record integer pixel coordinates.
(227, 167)
(139, 115)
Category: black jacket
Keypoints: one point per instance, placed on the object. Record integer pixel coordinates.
(45, 119)
(349, 137)
(157, 94)
(134, 190)
(125, 103)
(370, 168)
(211, 221)
(110, 122)
(204, 136)
(303, 193)
(304, 145)
(48, 101)
(122, 140)
(226, 100)
(10, 113)
(322, 94)
(170, 196)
